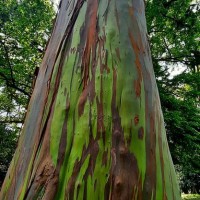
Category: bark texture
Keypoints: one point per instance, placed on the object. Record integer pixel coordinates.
(94, 127)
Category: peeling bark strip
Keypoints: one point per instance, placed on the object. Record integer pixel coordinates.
(94, 127)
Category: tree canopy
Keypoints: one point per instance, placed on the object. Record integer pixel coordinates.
(25, 27)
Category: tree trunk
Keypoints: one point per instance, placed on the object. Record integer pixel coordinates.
(94, 127)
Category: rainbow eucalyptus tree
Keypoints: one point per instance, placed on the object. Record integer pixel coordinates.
(94, 127)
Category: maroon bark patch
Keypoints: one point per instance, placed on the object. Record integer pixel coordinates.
(141, 133)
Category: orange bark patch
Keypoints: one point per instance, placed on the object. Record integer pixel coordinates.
(137, 52)
(82, 101)
(136, 120)
(133, 43)
(138, 66)
(131, 11)
(137, 83)
(137, 87)
(92, 7)
(91, 39)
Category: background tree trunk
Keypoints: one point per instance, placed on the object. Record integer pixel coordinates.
(94, 127)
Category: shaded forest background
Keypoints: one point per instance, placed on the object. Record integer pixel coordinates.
(173, 33)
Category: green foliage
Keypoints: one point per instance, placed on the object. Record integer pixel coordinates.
(25, 27)
(8, 139)
(24, 30)
(190, 197)
(174, 28)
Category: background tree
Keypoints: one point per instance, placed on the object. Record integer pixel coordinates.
(94, 125)
(8, 139)
(24, 29)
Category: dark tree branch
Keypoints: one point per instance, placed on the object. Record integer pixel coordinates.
(8, 61)
(168, 4)
(11, 121)
(173, 60)
(166, 46)
(12, 85)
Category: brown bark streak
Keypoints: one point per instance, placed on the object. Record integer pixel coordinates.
(124, 164)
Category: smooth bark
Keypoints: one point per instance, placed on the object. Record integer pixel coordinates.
(94, 127)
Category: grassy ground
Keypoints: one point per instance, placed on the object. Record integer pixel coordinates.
(190, 197)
